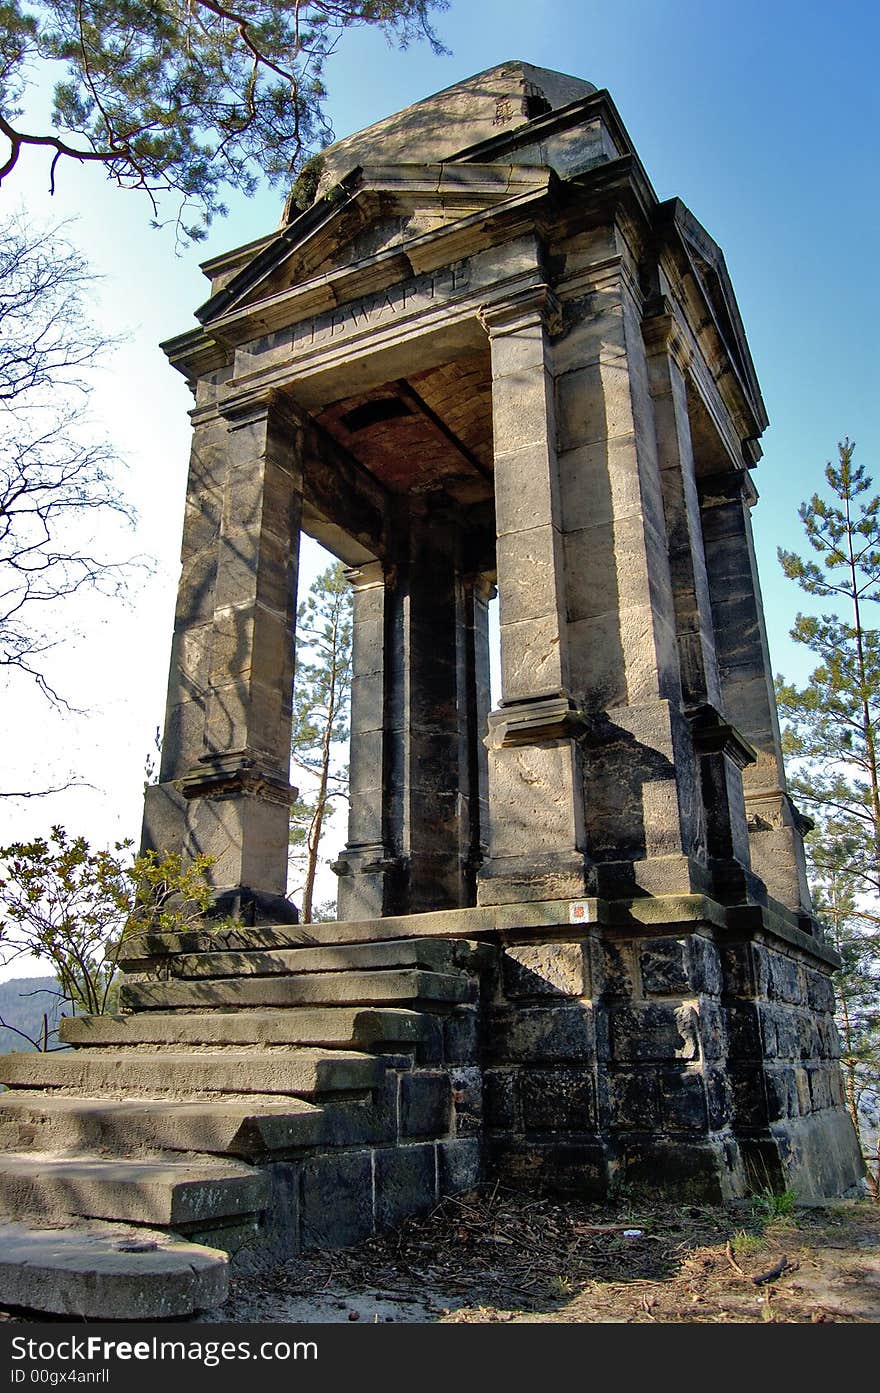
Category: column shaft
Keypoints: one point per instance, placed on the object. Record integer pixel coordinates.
(775, 826)
(227, 749)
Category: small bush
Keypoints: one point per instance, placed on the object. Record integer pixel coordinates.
(72, 907)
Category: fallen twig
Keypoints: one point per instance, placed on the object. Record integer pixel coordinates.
(772, 1274)
(732, 1260)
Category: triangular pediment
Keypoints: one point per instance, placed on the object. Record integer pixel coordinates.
(709, 269)
(378, 215)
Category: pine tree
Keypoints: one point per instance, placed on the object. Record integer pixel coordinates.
(831, 737)
(320, 718)
(180, 97)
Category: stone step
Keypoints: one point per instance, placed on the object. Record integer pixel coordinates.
(98, 1271)
(433, 955)
(451, 923)
(408, 987)
(358, 1026)
(256, 1127)
(57, 1185)
(296, 1073)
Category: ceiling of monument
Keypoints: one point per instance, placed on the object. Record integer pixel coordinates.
(429, 431)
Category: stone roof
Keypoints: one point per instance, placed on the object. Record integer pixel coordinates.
(439, 127)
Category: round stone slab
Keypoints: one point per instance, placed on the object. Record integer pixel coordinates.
(108, 1272)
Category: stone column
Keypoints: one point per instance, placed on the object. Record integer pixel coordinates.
(722, 754)
(227, 745)
(775, 826)
(474, 700)
(536, 829)
(644, 827)
(366, 865)
(424, 785)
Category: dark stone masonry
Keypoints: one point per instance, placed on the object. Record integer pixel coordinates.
(575, 946)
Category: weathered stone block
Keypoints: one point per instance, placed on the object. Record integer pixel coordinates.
(629, 1100)
(547, 969)
(782, 1096)
(597, 483)
(786, 980)
(614, 968)
(521, 406)
(569, 1167)
(719, 1098)
(523, 487)
(683, 1101)
(467, 1097)
(557, 1100)
(744, 1030)
(461, 1036)
(821, 1092)
(665, 966)
(459, 1165)
(425, 1104)
(406, 1183)
(537, 784)
(550, 1034)
(594, 403)
(804, 1096)
(499, 1099)
(529, 573)
(337, 1200)
(531, 659)
(713, 1036)
(808, 1036)
(820, 991)
(654, 1031)
(746, 969)
(653, 1166)
(705, 965)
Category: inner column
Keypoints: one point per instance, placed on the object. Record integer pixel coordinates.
(425, 782)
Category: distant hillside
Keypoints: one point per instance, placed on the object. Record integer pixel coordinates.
(23, 1000)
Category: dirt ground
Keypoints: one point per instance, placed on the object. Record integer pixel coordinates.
(495, 1255)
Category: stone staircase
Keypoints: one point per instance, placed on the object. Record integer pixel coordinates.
(260, 1093)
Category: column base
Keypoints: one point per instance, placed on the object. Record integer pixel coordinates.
(366, 882)
(518, 879)
(251, 907)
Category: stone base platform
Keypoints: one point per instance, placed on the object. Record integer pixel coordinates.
(272, 1089)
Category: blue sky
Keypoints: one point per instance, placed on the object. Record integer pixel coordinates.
(761, 117)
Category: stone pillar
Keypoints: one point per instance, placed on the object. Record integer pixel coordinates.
(366, 865)
(644, 829)
(775, 826)
(722, 754)
(536, 827)
(424, 773)
(474, 700)
(226, 754)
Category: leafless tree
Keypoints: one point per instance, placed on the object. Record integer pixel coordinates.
(56, 484)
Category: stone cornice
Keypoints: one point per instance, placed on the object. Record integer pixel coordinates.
(522, 309)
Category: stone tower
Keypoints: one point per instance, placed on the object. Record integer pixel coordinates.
(481, 353)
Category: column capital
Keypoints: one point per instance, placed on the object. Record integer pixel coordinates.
(535, 304)
(734, 486)
(715, 735)
(245, 408)
(663, 334)
(369, 576)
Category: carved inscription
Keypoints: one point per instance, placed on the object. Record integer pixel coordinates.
(418, 293)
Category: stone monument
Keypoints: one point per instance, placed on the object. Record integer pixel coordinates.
(575, 945)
